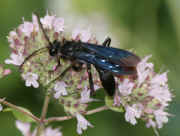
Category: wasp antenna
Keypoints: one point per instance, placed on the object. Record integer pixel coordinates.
(41, 26)
(31, 55)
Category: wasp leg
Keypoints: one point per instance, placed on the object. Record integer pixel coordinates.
(107, 42)
(91, 83)
(107, 81)
(61, 75)
(107, 78)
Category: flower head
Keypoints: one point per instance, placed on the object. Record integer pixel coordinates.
(53, 22)
(27, 28)
(31, 79)
(25, 129)
(126, 87)
(145, 97)
(47, 21)
(85, 96)
(82, 123)
(161, 117)
(58, 24)
(83, 35)
(51, 132)
(60, 89)
(15, 59)
(144, 69)
(132, 113)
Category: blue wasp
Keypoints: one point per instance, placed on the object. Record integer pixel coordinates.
(108, 61)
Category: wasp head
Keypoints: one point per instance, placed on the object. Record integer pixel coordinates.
(54, 48)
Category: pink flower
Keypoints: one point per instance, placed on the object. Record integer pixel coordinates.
(51, 132)
(159, 88)
(125, 88)
(35, 23)
(161, 117)
(47, 21)
(52, 22)
(16, 59)
(58, 24)
(132, 113)
(144, 69)
(161, 93)
(24, 128)
(60, 89)
(160, 79)
(82, 123)
(85, 96)
(150, 123)
(76, 34)
(12, 36)
(1, 107)
(31, 79)
(6, 72)
(27, 28)
(84, 35)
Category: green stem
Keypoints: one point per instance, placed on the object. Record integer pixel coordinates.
(43, 115)
(99, 109)
(3, 101)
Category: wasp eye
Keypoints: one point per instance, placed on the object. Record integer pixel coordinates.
(53, 51)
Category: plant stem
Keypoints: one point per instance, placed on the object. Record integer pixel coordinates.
(51, 119)
(3, 101)
(43, 115)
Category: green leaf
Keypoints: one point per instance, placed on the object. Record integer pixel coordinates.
(19, 115)
(109, 101)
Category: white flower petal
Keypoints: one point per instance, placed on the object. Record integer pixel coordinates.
(1, 107)
(35, 84)
(31, 79)
(85, 96)
(27, 28)
(133, 112)
(28, 83)
(51, 132)
(58, 24)
(82, 123)
(144, 69)
(15, 59)
(23, 127)
(161, 117)
(60, 89)
(47, 21)
(125, 88)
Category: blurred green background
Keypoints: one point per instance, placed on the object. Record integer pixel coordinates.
(148, 27)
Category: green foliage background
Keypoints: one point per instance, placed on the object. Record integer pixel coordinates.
(150, 27)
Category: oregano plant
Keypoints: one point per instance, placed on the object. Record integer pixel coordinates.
(144, 97)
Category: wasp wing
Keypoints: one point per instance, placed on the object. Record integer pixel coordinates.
(104, 64)
(117, 56)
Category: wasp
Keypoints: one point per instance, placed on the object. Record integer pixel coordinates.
(109, 62)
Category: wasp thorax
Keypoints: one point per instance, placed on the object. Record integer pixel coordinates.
(54, 48)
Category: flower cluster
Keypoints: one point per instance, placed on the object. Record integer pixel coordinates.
(145, 97)
(72, 90)
(25, 129)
